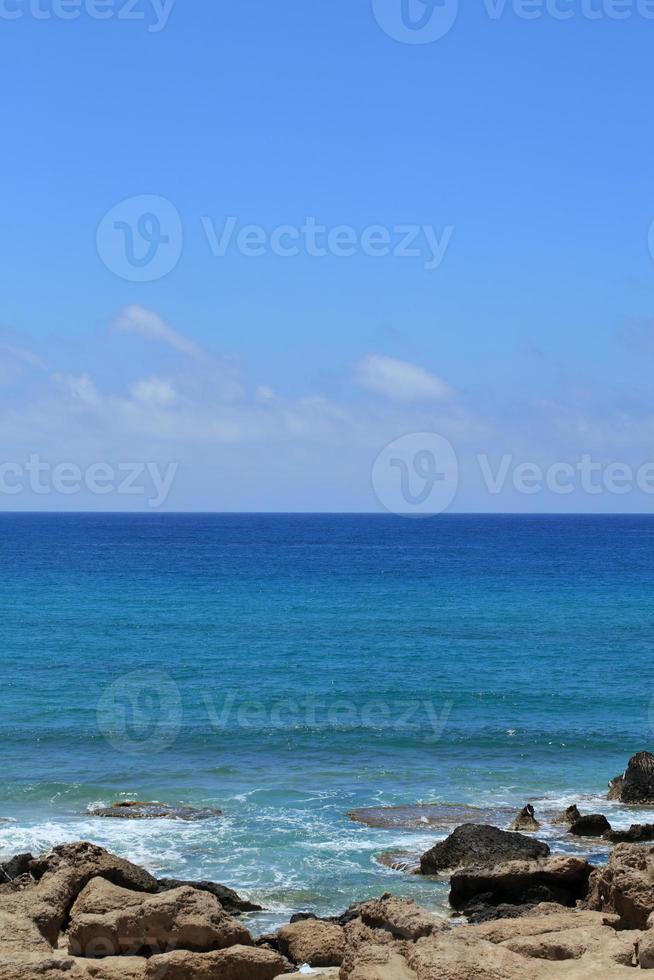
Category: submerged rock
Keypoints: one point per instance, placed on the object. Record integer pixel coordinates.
(154, 811)
(479, 845)
(636, 784)
(422, 816)
(568, 817)
(526, 820)
(591, 825)
(406, 861)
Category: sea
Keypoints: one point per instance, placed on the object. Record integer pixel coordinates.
(288, 669)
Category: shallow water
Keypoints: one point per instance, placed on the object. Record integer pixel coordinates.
(288, 669)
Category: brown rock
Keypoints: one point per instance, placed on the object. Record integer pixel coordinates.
(312, 941)
(110, 921)
(636, 785)
(625, 885)
(401, 918)
(228, 898)
(526, 820)
(568, 817)
(236, 963)
(559, 879)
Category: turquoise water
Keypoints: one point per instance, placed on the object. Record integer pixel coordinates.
(289, 668)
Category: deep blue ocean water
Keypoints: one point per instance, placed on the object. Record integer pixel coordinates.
(289, 668)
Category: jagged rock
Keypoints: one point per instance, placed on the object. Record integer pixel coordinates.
(482, 846)
(591, 825)
(625, 885)
(16, 867)
(568, 817)
(559, 879)
(401, 918)
(228, 898)
(236, 963)
(312, 941)
(135, 810)
(61, 874)
(637, 833)
(636, 785)
(526, 820)
(110, 921)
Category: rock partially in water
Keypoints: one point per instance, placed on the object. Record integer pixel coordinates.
(482, 846)
(526, 820)
(15, 868)
(406, 861)
(591, 825)
(422, 816)
(560, 879)
(228, 898)
(638, 832)
(636, 784)
(136, 810)
(568, 817)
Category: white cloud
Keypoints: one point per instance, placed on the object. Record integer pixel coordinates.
(400, 381)
(155, 391)
(145, 323)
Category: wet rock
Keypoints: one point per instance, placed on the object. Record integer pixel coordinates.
(312, 941)
(526, 820)
(479, 845)
(568, 817)
(422, 816)
(135, 810)
(560, 879)
(405, 861)
(636, 785)
(637, 833)
(625, 886)
(110, 921)
(229, 899)
(591, 825)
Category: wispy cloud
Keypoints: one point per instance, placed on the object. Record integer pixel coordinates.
(400, 381)
(145, 323)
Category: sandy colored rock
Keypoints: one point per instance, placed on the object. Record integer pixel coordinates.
(568, 817)
(401, 918)
(236, 963)
(625, 885)
(107, 921)
(314, 942)
(526, 822)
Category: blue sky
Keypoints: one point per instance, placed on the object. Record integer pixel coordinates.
(522, 145)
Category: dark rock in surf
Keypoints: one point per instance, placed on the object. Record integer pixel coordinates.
(135, 810)
(637, 833)
(636, 785)
(591, 825)
(526, 820)
(568, 817)
(480, 846)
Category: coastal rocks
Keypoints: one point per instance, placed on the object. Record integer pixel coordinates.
(625, 885)
(400, 918)
(134, 810)
(312, 941)
(637, 833)
(236, 963)
(591, 825)
(228, 898)
(636, 785)
(480, 845)
(568, 817)
(560, 879)
(526, 820)
(405, 861)
(108, 921)
(15, 868)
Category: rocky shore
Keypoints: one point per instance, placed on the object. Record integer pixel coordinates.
(518, 911)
